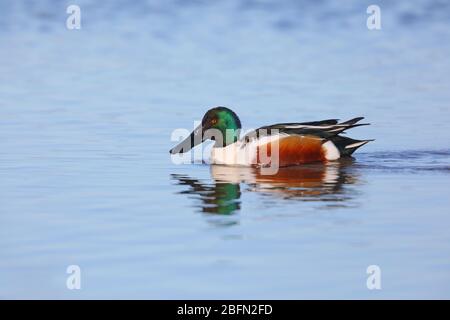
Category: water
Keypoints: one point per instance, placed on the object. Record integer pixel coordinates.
(86, 179)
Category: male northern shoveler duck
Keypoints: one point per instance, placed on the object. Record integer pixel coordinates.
(296, 143)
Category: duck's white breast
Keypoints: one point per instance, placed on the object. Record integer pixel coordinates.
(234, 154)
(240, 153)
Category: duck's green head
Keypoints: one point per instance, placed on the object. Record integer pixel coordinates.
(220, 124)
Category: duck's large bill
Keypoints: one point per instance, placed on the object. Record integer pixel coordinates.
(195, 138)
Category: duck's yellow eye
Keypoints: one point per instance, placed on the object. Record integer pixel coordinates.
(213, 121)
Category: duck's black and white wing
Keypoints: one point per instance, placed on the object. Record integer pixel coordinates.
(324, 129)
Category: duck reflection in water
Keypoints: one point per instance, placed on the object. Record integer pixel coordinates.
(314, 182)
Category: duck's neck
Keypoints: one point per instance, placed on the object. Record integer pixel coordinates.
(229, 135)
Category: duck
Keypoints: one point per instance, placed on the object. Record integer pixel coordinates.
(281, 144)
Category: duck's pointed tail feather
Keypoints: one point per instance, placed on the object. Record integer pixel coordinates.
(353, 121)
(347, 146)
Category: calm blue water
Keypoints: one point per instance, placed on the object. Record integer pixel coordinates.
(86, 179)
